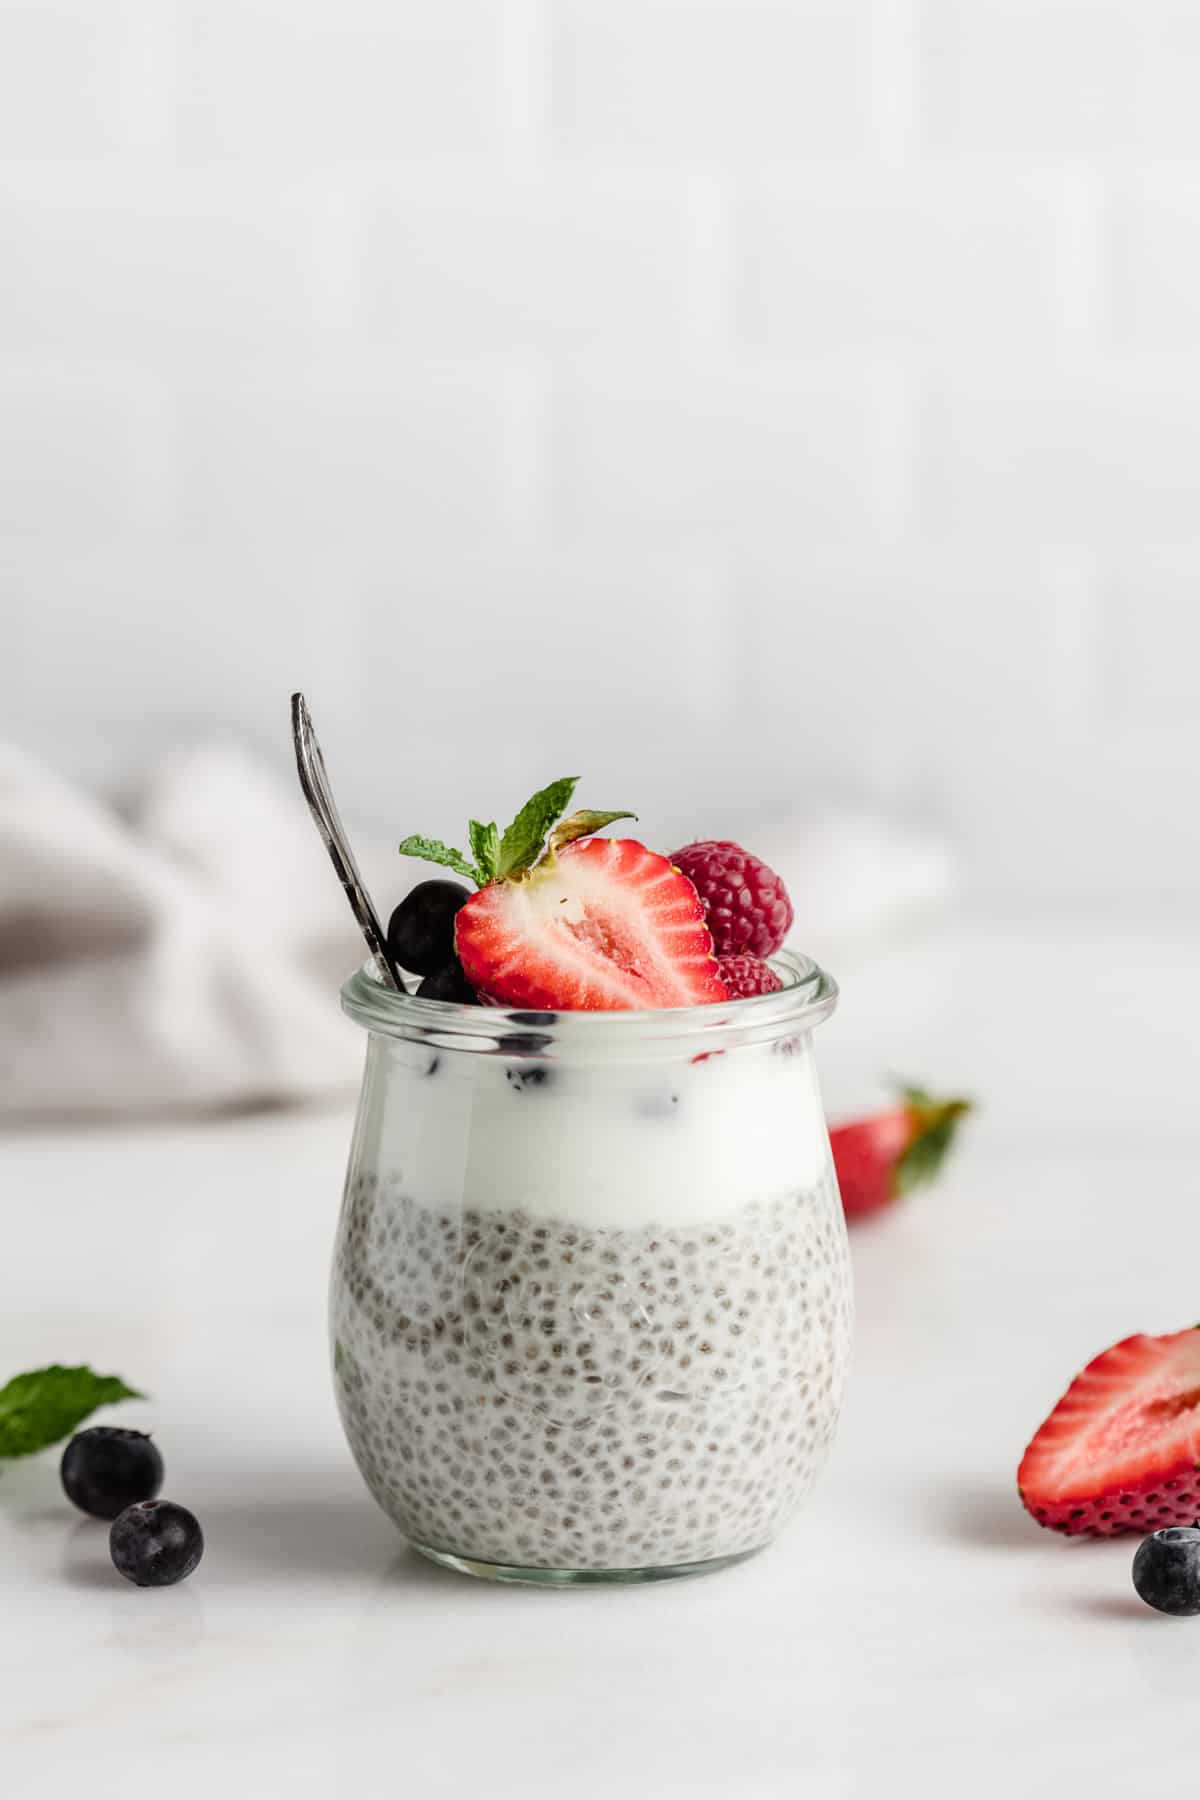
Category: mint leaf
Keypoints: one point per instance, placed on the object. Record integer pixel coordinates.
(485, 847)
(433, 851)
(45, 1405)
(496, 857)
(581, 824)
(522, 842)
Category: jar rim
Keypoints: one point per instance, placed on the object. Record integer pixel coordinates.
(807, 998)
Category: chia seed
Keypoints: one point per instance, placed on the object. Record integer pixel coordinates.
(701, 1382)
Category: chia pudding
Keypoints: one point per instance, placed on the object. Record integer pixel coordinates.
(590, 1313)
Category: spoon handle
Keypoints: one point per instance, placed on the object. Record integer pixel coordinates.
(310, 766)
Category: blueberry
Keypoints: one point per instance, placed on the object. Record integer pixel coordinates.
(155, 1543)
(1166, 1570)
(107, 1468)
(533, 1018)
(448, 983)
(420, 933)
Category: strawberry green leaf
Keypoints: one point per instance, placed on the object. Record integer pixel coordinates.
(934, 1123)
(485, 847)
(45, 1405)
(522, 843)
(435, 852)
(581, 824)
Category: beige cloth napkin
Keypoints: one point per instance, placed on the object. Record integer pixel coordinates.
(180, 957)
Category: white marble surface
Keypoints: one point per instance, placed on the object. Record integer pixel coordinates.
(912, 1632)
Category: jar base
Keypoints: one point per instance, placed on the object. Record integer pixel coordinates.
(566, 1578)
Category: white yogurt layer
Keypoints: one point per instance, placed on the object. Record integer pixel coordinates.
(614, 1144)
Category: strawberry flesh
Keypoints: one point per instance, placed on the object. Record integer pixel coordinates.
(605, 925)
(1121, 1450)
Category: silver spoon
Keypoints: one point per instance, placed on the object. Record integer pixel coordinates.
(310, 766)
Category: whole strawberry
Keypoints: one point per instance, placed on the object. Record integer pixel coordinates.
(880, 1158)
(745, 903)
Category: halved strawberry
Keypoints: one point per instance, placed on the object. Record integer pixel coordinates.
(602, 925)
(1121, 1450)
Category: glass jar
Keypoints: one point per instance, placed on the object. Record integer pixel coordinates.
(590, 1303)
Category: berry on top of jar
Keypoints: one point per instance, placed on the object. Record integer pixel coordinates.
(563, 919)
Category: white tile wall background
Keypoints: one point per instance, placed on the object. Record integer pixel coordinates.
(742, 402)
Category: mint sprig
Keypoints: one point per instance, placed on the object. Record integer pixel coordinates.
(45, 1405)
(500, 858)
(432, 850)
(485, 847)
(521, 844)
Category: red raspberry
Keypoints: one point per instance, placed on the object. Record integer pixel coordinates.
(745, 903)
(746, 976)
